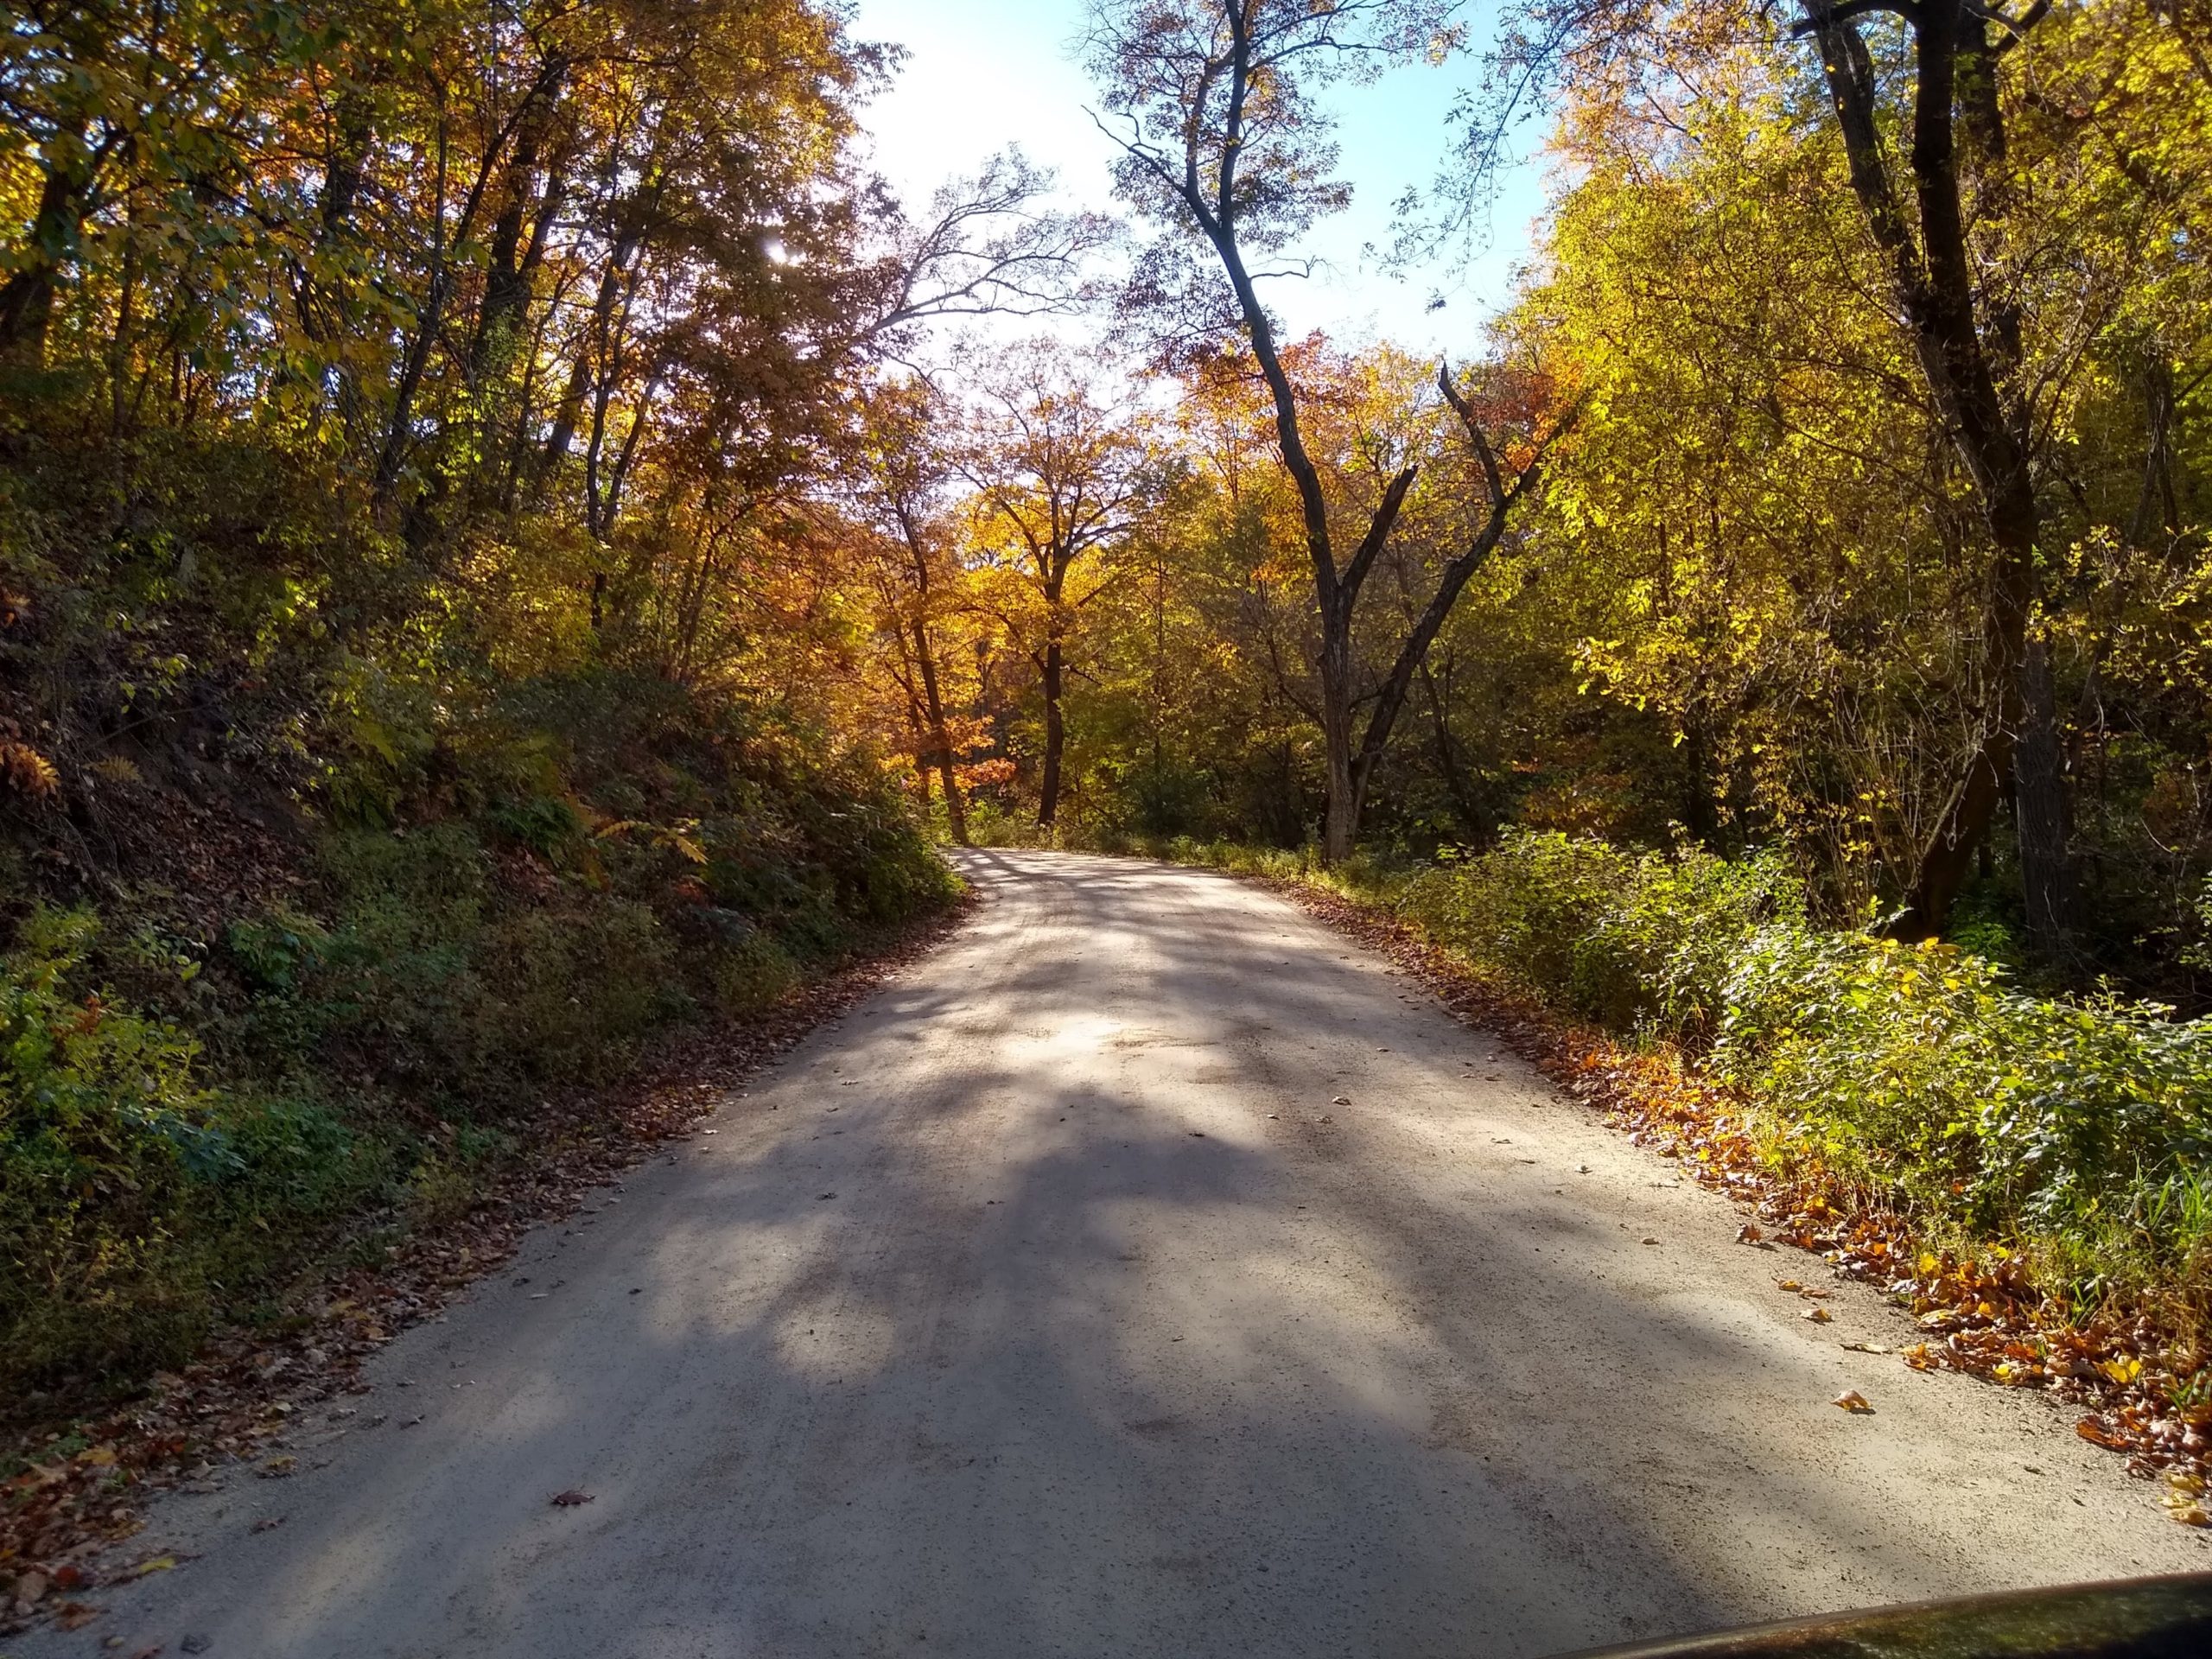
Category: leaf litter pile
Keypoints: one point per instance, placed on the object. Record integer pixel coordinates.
(2143, 1390)
(73, 1490)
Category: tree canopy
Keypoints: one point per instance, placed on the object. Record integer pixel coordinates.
(1834, 480)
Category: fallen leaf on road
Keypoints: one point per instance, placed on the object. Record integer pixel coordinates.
(1867, 1347)
(821, 1197)
(1818, 1315)
(75, 1615)
(569, 1500)
(1788, 1284)
(1852, 1401)
(269, 1522)
(1341, 1100)
(1651, 1241)
(278, 1468)
(2181, 1501)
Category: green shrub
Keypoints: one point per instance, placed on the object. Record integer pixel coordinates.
(2053, 1120)
(510, 890)
(751, 972)
(564, 994)
(137, 1203)
(2081, 1129)
(1633, 939)
(102, 1124)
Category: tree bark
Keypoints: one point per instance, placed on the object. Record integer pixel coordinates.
(1447, 753)
(1053, 669)
(1970, 360)
(940, 734)
(2039, 792)
(1341, 804)
(27, 297)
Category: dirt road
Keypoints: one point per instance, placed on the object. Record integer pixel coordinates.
(1149, 1272)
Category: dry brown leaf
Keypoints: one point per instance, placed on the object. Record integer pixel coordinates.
(1852, 1401)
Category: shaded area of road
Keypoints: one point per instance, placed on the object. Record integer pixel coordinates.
(1147, 1273)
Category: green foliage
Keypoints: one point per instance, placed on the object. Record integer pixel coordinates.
(275, 949)
(751, 971)
(2079, 1129)
(161, 1171)
(137, 1202)
(1631, 939)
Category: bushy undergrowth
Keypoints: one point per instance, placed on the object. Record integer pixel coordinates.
(485, 910)
(2080, 1131)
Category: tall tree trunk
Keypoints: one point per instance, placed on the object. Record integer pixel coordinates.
(2039, 797)
(1447, 753)
(940, 734)
(1970, 355)
(1341, 804)
(27, 297)
(1048, 789)
(510, 260)
(2157, 503)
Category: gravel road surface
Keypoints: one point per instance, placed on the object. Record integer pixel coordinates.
(1149, 1271)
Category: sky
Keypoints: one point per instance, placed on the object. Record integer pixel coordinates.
(982, 74)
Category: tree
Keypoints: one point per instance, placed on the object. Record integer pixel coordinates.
(1060, 476)
(899, 491)
(1212, 104)
(1941, 215)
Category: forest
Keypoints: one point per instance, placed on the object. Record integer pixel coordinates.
(513, 538)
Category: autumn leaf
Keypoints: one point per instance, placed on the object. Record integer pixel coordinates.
(1854, 1402)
